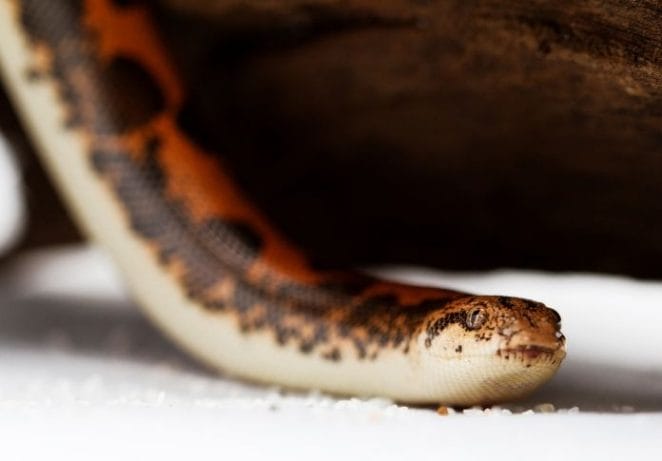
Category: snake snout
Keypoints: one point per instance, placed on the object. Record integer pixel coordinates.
(535, 344)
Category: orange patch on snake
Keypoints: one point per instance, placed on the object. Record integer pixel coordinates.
(193, 176)
(408, 295)
(129, 31)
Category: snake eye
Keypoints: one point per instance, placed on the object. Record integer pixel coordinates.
(476, 317)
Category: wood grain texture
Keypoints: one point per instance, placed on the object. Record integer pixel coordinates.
(462, 134)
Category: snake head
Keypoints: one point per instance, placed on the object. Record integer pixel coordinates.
(506, 347)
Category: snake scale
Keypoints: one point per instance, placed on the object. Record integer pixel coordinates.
(101, 100)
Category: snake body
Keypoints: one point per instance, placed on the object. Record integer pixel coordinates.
(102, 101)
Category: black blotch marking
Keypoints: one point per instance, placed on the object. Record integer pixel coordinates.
(333, 355)
(51, 21)
(386, 322)
(245, 297)
(506, 301)
(435, 328)
(360, 348)
(458, 349)
(127, 3)
(533, 305)
(234, 236)
(131, 95)
(138, 184)
(306, 347)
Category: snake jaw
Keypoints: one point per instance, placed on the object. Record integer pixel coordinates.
(531, 352)
(544, 343)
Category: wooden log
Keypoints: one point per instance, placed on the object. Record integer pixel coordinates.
(462, 134)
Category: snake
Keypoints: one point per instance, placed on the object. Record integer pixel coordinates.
(102, 101)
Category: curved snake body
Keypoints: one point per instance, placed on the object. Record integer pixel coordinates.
(102, 102)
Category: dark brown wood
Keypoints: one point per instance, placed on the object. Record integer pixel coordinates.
(462, 134)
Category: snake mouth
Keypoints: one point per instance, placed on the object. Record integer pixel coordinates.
(528, 351)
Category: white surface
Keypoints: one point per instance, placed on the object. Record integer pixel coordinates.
(82, 375)
(12, 212)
